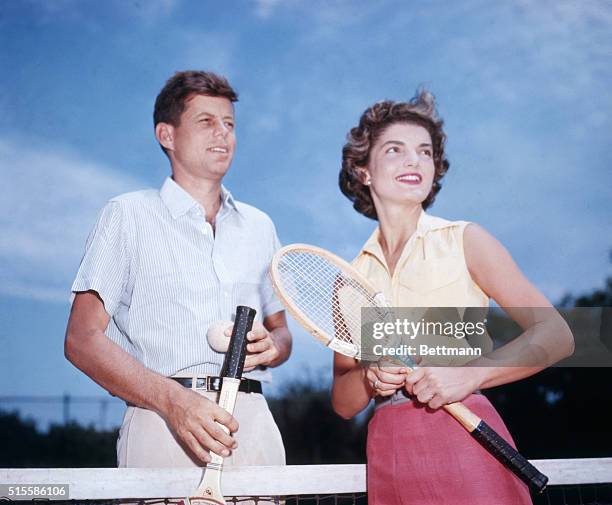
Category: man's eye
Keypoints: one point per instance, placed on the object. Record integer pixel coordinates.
(229, 125)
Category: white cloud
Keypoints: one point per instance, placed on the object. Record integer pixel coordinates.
(509, 50)
(265, 8)
(77, 11)
(324, 18)
(534, 194)
(546, 49)
(48, 204)
(267, 123)
(200, 50)
(152, 11)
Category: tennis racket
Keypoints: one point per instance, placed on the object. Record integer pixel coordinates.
(209, 490)
(325, 295)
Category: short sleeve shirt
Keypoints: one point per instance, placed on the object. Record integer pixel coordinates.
(164, 276)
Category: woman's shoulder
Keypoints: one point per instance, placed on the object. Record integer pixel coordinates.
(429, 223)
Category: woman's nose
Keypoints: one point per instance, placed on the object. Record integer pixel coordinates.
(411, 159)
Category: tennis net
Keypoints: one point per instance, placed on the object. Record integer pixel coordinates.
(572, 481)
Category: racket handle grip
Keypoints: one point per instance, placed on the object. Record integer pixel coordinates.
(509, 457)
(236, 352)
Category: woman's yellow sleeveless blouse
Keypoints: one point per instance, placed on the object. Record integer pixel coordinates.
(431, 271)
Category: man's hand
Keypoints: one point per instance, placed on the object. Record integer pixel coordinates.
(193, 419)
(262, 348)
(190, 416)
(269, 343)
(437, 386)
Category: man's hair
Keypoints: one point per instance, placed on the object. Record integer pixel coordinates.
(420, 110)
(170, 102)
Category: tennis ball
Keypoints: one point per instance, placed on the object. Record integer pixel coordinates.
(216, 335)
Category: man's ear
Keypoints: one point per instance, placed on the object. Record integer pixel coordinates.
(164, 133)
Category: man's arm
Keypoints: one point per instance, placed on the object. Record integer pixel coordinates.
(191, 417)
(270, 342)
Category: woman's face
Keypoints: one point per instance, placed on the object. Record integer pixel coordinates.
(401, 167)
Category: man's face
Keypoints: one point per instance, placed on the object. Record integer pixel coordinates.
(203, 145)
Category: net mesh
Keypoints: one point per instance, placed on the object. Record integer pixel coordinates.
(312, 499)
(577, 494)
(326, 295)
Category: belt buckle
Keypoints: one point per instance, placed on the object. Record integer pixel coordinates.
(213, 383)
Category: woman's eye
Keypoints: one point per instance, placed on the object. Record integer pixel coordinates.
(427, 152)
(393, 149)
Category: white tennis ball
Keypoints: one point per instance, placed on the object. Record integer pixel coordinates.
(216, 335)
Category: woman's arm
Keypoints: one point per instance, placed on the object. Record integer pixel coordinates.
(546, 338)
(351, 392)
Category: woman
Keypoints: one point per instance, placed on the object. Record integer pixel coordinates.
(391, 169)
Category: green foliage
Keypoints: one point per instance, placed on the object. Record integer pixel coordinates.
(70, 445)
(597, 298)
(558, 413)
(312, 432)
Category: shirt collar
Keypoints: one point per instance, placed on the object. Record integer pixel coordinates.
(179, 202)
(425, 224)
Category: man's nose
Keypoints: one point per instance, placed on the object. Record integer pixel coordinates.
(221, 129)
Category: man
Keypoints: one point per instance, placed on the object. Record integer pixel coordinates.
(159, 268)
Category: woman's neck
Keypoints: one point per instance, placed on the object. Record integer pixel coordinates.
(397, 224)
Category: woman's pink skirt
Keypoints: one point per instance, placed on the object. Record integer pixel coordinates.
(417, 456)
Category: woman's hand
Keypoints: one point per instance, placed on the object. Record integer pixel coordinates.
(437, 386)
(385, 378)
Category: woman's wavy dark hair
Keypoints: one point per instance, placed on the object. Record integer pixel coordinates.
(421, 110)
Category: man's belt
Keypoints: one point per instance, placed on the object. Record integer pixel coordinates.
(211, 383)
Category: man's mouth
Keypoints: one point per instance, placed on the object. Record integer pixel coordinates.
(410, 178)
(218, 149)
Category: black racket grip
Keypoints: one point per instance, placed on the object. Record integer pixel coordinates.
(509, 457)
(236, 351)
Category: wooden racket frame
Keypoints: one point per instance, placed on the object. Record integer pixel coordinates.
(209, 490)
(470, 421)
(345, 348)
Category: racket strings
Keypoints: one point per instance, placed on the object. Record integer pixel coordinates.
(323, 293)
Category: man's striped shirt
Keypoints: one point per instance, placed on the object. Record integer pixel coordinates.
(164, 277)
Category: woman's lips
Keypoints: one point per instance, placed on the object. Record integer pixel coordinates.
(410, 178)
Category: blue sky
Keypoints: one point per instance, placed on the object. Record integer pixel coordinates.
(524, 87)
